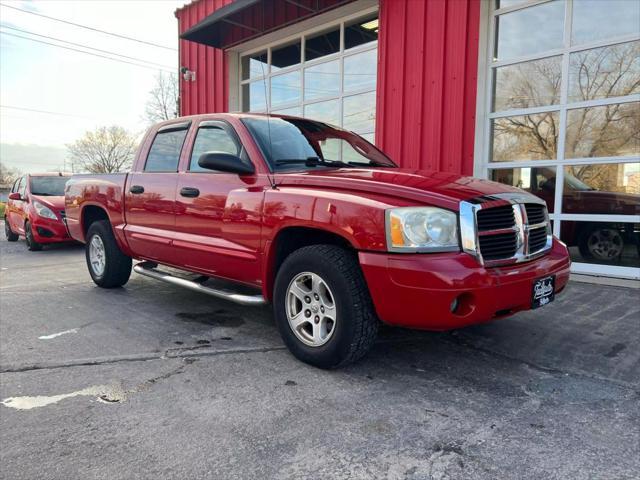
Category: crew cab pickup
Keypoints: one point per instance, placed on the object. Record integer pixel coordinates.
(321, 224)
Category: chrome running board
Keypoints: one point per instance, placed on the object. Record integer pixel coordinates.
(148, 269)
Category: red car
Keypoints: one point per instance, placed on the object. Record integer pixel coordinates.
(322, 224)
(35, 210)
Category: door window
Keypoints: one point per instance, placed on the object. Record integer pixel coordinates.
(164, 154)
(22, 187)
(212, 139)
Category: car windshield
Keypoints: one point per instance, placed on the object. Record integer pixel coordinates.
(48, 186)
(297, 143)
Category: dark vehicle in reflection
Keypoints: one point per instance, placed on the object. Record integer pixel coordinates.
(600, 241)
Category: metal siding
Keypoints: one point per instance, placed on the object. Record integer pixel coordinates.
(210, 92)
(427, 76)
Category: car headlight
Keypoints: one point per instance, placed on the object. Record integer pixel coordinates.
(422, 229)
(43, 211)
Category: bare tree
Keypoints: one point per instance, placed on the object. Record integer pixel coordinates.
(163, 98)
(105, 150)
(8, 175)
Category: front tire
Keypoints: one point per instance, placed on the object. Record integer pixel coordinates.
(108, 266)
(11, 236)
(32, 245)
(601, 242)
(322, 307)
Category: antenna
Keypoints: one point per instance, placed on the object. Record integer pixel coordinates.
(272, 180)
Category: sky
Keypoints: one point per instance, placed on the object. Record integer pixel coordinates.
(75, 92)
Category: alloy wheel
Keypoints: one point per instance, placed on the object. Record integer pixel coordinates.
(311, 309)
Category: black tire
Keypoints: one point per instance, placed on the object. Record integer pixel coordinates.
(117, 265)
(612, 238)
(11, 236)
(32, 245)
(356, 325)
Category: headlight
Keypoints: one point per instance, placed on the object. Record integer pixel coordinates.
(43, 211)
(422, 229)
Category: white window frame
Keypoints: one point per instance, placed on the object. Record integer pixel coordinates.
(484, 116)
(341, 55)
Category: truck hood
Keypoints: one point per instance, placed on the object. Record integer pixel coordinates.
(441, 189)
(55, 203)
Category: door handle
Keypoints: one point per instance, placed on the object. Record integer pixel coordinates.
(136, 189)
(189, 192)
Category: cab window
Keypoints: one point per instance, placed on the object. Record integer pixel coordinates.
(164, 153)
(212, 139)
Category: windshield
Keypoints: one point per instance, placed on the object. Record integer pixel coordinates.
(575, 184)
(296, 143)
(48, 186)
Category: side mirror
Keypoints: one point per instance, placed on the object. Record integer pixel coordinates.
(225, 162)
(15, 196)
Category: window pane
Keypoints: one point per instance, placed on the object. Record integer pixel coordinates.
(605, 189)
(359, 112)
(610, 130)
(328, 112)
(295, 111)
(165, 152)
(508, 3)
(525, 137)
(254, 66)
(360, 71)
(285, 89)
(286, 56)
(360, 32)
(531, 30)
(604, 243)
(253, 96)
(211, 139)
(322, 80)
(326, 43)
(600, 19)
(540, 181)
(528, 84)
(605, 72)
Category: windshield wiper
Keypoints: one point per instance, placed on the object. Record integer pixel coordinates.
(312, 162)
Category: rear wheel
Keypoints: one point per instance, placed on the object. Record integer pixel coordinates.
(11, 236)
(322, 306)
(32, 245)
(108, 266)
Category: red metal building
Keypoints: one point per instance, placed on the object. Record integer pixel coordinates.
(426, 68)
(517, 91)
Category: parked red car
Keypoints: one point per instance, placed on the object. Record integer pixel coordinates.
(35, 210)
(322, 224)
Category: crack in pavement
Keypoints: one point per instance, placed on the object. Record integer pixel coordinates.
(455, 338)
(141, 357)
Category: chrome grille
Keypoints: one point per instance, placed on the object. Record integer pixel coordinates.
(504, 229)
(495, 218)
(536, 214)
(537, 239)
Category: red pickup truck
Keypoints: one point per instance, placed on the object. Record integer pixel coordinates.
(322, 224)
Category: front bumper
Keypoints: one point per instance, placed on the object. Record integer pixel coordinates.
(47, 230)
(417, 290)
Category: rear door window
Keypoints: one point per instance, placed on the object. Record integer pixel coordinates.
(212, 138)
(164, 154)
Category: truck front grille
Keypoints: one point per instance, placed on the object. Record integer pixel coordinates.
(505, 229)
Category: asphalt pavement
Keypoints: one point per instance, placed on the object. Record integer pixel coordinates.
(152, 381)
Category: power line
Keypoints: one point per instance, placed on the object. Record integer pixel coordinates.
(84, 46)
(85, 52)
(45, 111)
(90, 28)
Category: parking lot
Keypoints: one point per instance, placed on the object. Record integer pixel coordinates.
(151, 381)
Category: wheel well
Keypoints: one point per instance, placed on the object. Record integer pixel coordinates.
(291, 239)
(92, 214)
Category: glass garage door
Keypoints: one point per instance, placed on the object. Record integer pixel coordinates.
(564, 121)
(328, 75)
